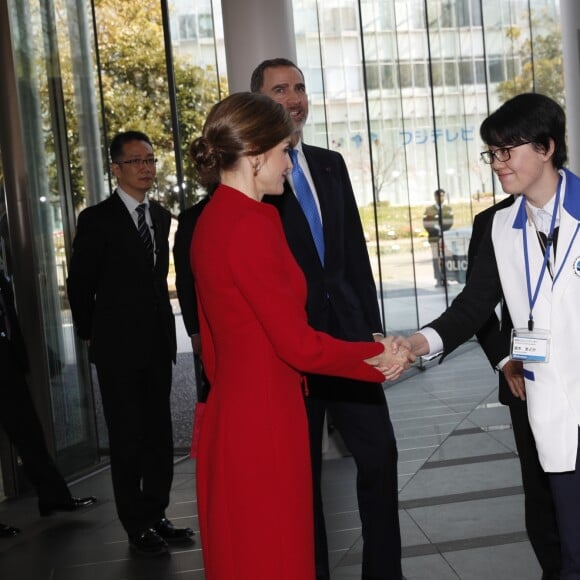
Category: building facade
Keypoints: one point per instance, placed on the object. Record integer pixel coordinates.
(399, 87)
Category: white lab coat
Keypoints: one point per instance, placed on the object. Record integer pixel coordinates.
(552, 388)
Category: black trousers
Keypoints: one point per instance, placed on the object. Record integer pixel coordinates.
(19, 419)
(565, 491)
(540, 513)
(365, 426)
(136, 405)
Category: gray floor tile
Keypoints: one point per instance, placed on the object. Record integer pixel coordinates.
(432, 567)
(411, 442)
(468, 446)
(510, 562)
(505, 436)
(411, 533)
(490, 416)
(410, 467)
(414, 454)
(463, 479)
(480, 518)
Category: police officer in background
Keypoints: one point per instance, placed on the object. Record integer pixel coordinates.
(438, 218)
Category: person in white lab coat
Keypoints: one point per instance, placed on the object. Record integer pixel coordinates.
(531, 255)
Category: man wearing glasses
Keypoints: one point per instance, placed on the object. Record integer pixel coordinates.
(494, 337)
(529, 254)
(117, 288)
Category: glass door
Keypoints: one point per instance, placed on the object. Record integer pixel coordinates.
(45, 232)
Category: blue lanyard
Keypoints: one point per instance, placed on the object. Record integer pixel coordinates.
(532, 298)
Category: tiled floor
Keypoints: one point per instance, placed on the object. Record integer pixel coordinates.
(460, 498)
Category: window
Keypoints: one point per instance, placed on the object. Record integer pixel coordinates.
(480, 72)
(195, 26)
(420, 74)
(496, 70)
(187, 27)
(405, 74)
(337, 20)
(501, 68)
(372, 77)
(466, 73)
(388, 73)
(410, 14)
(468, 13)
(205, 26)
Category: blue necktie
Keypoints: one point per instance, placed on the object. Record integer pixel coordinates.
(307, 203)
(144, 232)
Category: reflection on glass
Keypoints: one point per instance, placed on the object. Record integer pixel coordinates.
(39, 81)
(433, 71)
(398, 87)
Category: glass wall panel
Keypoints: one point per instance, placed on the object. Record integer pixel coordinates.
(137, 87)
(432, 71)
(134, 80)
(40, 85)
(398, 87)
(199, 68)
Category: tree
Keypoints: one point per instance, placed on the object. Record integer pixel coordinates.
(133, 77)
(544, 72)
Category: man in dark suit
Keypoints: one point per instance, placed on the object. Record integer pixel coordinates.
(20, 421)
(342, 300)
(185, 286)
(494, 337)
(118, 293)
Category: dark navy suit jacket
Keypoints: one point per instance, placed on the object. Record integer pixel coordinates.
(118, 301)
(342, 296)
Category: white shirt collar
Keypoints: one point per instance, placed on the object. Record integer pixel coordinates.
(542, 216)
(130, 202)
(298, 147)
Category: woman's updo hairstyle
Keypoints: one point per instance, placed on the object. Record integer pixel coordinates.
(241, 124)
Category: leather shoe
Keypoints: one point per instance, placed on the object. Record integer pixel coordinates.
(8, 531)
(171, 534)
(46, 508)
(148, 543)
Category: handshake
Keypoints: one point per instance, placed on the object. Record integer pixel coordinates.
(399, 354)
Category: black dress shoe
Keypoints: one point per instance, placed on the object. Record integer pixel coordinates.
(8, 531)
(46, 508)
(171, 534)
(148, 543)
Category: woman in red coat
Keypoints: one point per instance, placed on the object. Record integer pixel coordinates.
(254, 486)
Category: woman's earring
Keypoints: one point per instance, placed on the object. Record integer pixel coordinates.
(256, 169)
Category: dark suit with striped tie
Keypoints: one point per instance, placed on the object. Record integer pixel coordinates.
(120, 303)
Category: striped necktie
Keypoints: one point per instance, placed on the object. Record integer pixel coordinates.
(308, 204)
(144, 232)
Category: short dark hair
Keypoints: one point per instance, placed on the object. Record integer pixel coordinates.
(257, 81)
(241, 124)
(121, 139)
(528, 118)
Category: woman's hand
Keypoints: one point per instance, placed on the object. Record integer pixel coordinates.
(395, 358)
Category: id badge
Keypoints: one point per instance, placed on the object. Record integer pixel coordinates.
(530, 346)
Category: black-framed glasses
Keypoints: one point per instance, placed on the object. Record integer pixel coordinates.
(137, 162)
(501, 154)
